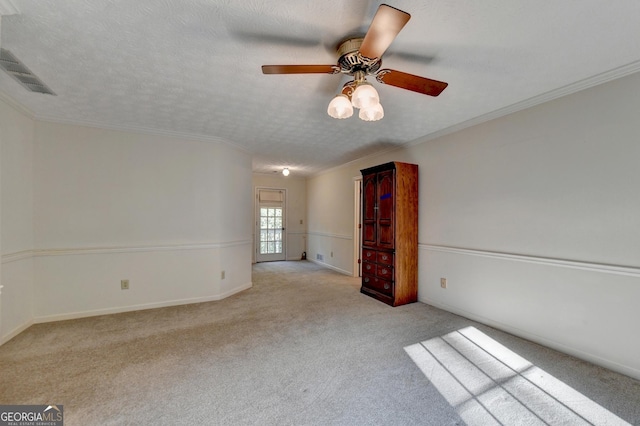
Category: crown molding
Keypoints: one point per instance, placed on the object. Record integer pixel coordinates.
(16, 105)
(587, 83)
(133, 129)
(360, 160)
(8, 8)
(569, 89)
(142, 130)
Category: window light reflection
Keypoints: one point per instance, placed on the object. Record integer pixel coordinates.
(488, 384)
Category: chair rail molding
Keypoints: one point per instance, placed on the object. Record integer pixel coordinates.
(74, 251)
(328, 235)
(631, 271)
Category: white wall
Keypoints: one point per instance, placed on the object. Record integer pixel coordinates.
(555, 183)
(83, 208)
(330, 200)
(168, 214)
(534, 219)
(296, 210)
(16, 220)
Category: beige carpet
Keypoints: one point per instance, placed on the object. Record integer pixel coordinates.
(302, 346)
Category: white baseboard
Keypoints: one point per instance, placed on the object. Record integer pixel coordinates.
(326, 265)
(234, 291)
(13, 333)
(614, 366)
(122, 309)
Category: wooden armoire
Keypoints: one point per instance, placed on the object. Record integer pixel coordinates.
(390, 233)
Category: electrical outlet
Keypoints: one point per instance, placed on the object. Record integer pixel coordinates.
(124, 284)
(222, 275)
(331, 254)
(443, 282)
(319, 256)
(300, 221)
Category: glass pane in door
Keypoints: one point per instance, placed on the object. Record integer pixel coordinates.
(270, 230)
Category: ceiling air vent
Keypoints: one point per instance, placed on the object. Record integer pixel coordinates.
(21, 73)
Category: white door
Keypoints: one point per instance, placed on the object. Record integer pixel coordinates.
(270, 224)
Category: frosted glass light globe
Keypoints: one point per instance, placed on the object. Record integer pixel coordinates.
(340, 107)
(372, 113)
(365, 96)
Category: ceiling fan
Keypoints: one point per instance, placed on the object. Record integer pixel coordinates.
(360, 57)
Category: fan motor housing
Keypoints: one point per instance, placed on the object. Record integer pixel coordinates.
(350, 60)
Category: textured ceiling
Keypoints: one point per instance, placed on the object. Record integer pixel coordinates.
(192, 67)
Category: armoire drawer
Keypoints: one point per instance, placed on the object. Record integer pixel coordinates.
(384, 257)
(369, 268)
(385, 272)
(378, 284)
(369, 255)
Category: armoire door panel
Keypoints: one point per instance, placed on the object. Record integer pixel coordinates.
(386, 207)
(385, 234)
(369, 234)
(369, 206)
(386, 196)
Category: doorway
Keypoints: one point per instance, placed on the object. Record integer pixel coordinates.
(270, 224)
(357, 226)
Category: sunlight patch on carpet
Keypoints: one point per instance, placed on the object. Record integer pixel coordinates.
(488, 384)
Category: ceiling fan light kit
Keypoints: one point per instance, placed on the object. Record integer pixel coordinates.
(362, 56)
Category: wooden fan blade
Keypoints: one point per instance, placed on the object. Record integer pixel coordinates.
(384, 28)
(411, 82)
(300, 69)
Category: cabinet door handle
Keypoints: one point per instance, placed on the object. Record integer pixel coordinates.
(384, 271)
(386, 286)
(384, 257)
(368, 254)
(368, 267)
(366, 280)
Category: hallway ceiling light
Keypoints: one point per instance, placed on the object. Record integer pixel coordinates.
(285, 171)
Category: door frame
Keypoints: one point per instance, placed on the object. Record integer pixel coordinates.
(256, 227)
(357, 226)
